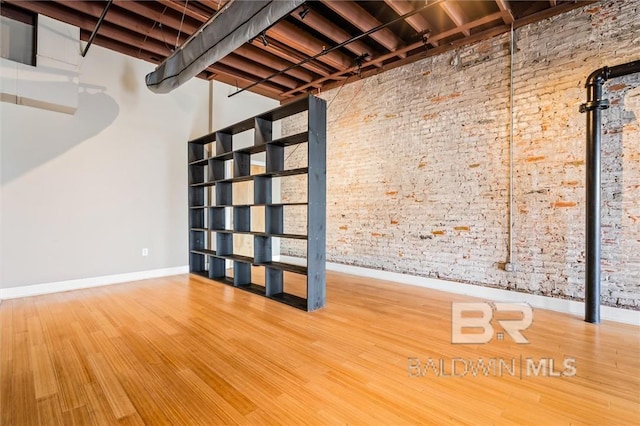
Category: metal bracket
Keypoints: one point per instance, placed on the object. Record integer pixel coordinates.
(590, 106)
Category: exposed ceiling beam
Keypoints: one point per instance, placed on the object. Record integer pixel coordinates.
(505, 8)
(239, 77)
(234, 61)
(215, 5)
(440, 36)
(154, 11)
(469, 25)
(361, 19)
(183, 8)
(289, 54)
(455, 13)
(291, 35)
(552, 3)
(274, 62)
(124, 20)
(417, 21)
(332, 31)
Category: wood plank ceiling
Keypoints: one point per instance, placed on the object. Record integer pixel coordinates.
(151, 30)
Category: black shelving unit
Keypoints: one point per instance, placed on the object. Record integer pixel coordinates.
(211, 242)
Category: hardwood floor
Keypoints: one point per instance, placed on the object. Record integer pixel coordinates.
(181, 350)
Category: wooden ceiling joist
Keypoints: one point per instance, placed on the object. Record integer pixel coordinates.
(183, 8)
(289, 34)
(234, 61)
(361, 19)
(455, 13)
(417, 21)
(332, 31)
(291, 55)
(504, 7)
(274, 62)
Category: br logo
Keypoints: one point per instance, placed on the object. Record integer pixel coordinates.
(477, 316)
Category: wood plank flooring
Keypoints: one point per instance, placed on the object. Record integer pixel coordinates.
(182, 350)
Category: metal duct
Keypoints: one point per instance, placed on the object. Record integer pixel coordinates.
(240, 22)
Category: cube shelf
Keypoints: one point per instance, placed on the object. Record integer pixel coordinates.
(214, 166)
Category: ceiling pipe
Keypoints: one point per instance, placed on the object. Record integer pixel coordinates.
(593, 107)
(98, 25)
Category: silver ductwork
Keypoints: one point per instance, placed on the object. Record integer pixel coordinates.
(237, 23)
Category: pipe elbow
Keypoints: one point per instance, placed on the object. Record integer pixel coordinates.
(599, 76)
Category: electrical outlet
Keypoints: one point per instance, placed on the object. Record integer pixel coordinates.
(145, 252)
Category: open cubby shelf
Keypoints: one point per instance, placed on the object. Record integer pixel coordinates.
(212, 211)
(279, 173)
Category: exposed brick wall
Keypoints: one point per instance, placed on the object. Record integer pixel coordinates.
(418, 156)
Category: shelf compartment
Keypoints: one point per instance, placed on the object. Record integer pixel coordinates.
(264, 130)
(196, 261)
(197, 197)
(197, 219)
(224, 245)
(241, 219)
(262, 188)
(197, 240)
(290, 299)
(280, 173)
(195, 152)
(243, 193)
(205, 252)
(241, 273)
(253, 288)
(217, 267)
(236, 258)
(223, 142)
(224, 194)
(202, 184)
(204, 140)
(217, 219)
(197, 174)
(275, 158)
(286, 110)
(291, 140)
(241, 164)
(262, 234)
(274, 281)
(296, 269)
(200, 162)
(217, 170)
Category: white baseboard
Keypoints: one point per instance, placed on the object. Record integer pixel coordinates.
(572, 307)
(46, 288)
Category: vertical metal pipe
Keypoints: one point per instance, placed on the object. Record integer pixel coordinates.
(593, 180)
(592, 107)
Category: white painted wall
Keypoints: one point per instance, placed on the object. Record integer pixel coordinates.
(83, 194)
